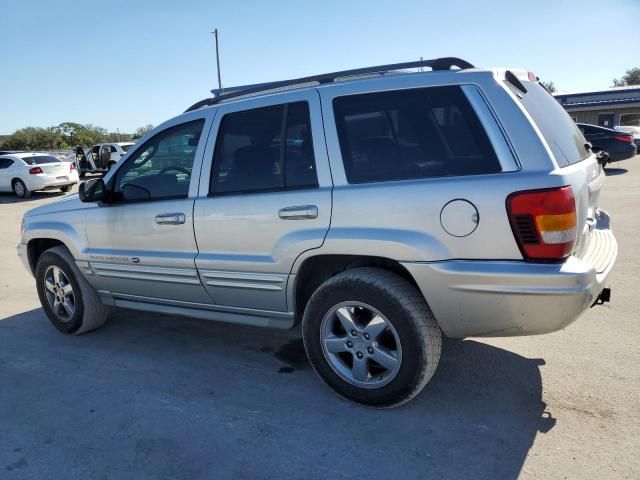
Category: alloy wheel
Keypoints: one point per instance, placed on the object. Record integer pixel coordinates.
(59, 293)
(360, 344)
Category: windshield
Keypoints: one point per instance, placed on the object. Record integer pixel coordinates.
(126, 147)
(40, 159)
(561, 133)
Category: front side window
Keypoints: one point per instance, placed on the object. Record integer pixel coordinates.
(161, 168)
(264, 149)
(408, 134)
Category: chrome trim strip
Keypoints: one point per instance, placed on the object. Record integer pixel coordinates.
(254, 281)
(154, 274)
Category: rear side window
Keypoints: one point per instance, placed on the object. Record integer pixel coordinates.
(407, 134)
(560, 132)
(265, 149)
(5, 163)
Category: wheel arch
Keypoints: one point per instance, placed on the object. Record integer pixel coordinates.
(314, 270)
(37, 246)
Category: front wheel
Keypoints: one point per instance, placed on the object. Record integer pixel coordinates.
(371, 337)
(71, 304)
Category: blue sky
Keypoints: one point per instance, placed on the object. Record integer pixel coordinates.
(123, 64)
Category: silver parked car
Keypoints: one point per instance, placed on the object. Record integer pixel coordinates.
(377, 210)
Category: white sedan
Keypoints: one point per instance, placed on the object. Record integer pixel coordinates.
(24, 173)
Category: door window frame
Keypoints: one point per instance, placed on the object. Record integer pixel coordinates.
(282, 157)
(312, 97)
(204, 115)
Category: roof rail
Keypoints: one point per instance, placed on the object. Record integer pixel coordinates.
(435, 64)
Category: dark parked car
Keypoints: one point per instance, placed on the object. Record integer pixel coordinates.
(619, 145)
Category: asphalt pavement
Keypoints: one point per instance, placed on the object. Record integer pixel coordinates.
(160, 397)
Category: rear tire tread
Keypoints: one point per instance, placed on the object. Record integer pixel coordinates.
(412, 300)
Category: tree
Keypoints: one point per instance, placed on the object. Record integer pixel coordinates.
(631, 77)
(142, 131)
(549, 86)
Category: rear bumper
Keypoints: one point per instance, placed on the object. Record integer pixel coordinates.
(510, 298)
(629, 151)
(37, 182)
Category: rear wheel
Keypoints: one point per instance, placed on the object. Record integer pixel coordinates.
(70, 303)
(371, 337)
(20, 189)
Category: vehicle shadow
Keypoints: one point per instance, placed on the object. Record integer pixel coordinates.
(162, 397)
(612, 172)
(10, 197)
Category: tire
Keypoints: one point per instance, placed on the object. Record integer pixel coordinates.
(20, 189)
(65, 189)
(411, 336)
(88, 311)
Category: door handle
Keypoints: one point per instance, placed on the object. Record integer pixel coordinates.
(302, 212)
(171, 219)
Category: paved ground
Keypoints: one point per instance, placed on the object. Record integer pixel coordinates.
(151, 397)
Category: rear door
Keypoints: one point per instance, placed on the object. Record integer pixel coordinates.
(265, 197)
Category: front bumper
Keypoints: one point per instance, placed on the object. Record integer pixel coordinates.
(510, 298)
(22, 253)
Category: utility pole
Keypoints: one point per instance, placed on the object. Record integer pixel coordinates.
(215, 35)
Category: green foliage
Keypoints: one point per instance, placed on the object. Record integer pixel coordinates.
(549, 86)
(142, 131)
(631, 77)
(65, 135)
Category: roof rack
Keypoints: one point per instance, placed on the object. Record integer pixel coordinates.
(435, 64)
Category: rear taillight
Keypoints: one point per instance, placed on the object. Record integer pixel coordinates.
(624, 138)
(544, 222)
(72, 167)
(35, 170)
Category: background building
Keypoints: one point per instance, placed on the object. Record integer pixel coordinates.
(609, 108)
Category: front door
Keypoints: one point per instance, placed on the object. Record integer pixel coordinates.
(142, 244)
(605, 120)
(265, 199)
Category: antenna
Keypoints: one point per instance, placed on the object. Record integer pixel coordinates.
(215, 35)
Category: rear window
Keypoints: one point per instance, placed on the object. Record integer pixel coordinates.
(40, 159)
(409, 134)
(125, 147)
(558, 129)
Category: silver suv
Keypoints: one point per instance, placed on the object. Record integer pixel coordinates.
(378, 208)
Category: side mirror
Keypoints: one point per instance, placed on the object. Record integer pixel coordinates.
(93, 190)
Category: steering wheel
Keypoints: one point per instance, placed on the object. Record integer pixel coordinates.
(176, 168)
